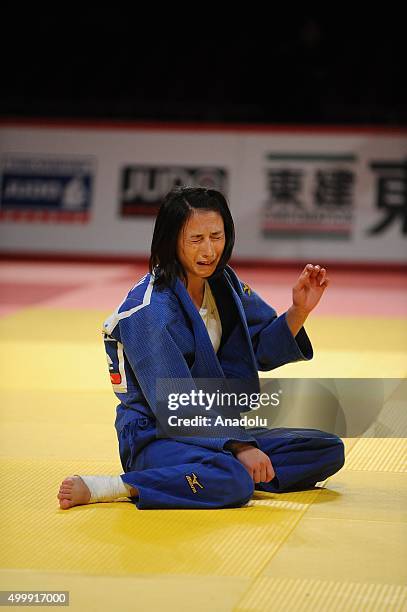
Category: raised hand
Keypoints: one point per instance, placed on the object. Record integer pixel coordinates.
(309, 288)
(307, 292)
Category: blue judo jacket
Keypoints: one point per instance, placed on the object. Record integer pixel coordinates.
(157, 333)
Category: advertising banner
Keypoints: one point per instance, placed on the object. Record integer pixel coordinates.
(295, 194)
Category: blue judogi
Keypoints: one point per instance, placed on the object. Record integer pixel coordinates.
(159, 334)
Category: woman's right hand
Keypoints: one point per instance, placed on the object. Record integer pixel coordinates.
(256, 462)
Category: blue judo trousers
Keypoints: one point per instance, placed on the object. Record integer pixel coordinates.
(173, 474)
(158, 334)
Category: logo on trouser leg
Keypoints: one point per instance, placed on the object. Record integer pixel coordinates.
(193, 482)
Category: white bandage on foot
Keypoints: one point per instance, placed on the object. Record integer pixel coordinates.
(106, 488)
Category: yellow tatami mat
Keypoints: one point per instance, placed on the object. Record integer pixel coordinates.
(342, 546)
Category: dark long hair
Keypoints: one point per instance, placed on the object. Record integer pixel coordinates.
(177, 207)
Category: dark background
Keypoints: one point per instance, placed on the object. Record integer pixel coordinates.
(109, 63)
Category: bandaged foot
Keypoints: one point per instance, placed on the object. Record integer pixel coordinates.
(77, 490)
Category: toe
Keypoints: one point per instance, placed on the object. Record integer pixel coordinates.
(65, 496)
(65, 504)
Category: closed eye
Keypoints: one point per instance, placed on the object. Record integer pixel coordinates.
(198, 238)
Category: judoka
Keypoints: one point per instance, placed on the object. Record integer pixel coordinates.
(191, 318)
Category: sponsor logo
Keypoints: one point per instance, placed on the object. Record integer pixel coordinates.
(193, 482)
(46, 188)
(309, 196)
(391, 195)
(142, 188)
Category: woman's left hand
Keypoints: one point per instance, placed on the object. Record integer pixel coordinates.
(309, 288)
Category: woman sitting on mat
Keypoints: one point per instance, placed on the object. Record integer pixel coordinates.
(192, 318)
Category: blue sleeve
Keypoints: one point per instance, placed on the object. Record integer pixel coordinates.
(272, 340)
(274, 345)
(153, 354)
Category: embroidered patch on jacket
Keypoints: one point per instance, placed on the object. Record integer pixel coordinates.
(193, 482)
(246, 289)
(115, 378)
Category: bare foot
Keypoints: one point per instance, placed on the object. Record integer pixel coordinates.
(73, 492)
